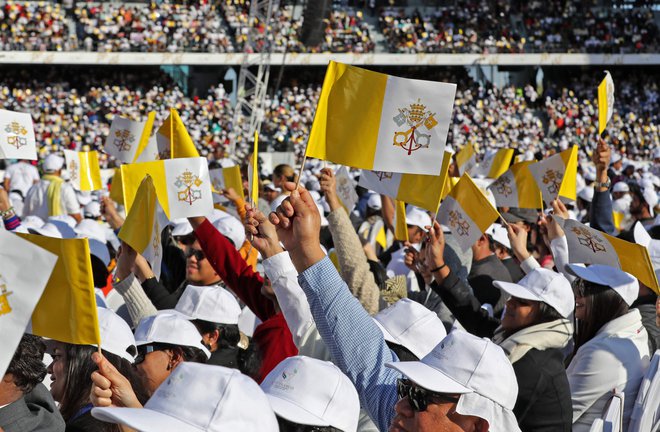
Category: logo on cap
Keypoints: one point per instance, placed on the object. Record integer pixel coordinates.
(187, 181)
(17, 134)
(415, 116)
(4, 293)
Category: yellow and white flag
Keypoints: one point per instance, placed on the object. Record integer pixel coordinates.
(24, 272)
(496, 164)
(146, 212)
(466, 159)
(116, 188)
(589, 246)
(400, 226)
(253, 172)
(467, 212)
(605, 101)
(379, 122)
(67, 309)
(416, 189)
(128, 138)
(173, 139)
(225, 178)
(517, 188)
(84, 170)
(556, 176)
(346, 189)
(182, 185)
(17, 136)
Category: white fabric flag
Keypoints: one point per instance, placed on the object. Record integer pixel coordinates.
(17, 136)
(346, 189)
(150, 152)
(154, 251)
(124, 138)
(24, 272)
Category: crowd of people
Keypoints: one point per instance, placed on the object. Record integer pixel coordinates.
(465, 26)
(292, 313)
(499, 26)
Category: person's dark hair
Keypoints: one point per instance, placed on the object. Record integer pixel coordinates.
(79, 369)
(284, 170)
(602, 303)
(99, 272)
(289, 426)
(403, 353)
(229, 333)
(27, 367)
(189, 354)
(547, 313)
(249, 360)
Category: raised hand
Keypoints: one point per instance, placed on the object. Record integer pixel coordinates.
(109, 212)
(109, 387)
(329, 188)
(231, 194)
(435, 247)
(298, 225)
(261, 232)
(518, 240)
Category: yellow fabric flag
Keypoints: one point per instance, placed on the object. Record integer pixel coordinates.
(450, 182)
(617, 218)
(400, 227)
(67, 309)
(556, 176)
(173, 138)
(467, 212)
(146, 134)
(605, 101)
(116, 188)
(466, 159)
(253, 171)
(380, 122)
(225, 178)
(517, 188)
(84, 170)
(499, 163)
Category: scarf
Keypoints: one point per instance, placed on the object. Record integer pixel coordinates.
(553, 334)
(54, 194)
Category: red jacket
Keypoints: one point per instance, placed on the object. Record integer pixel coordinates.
(272, 336)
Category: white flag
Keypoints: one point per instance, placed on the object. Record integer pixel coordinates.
(17, 136)
(124, 139)
(154, 251)
(346, 189)
(24, 271)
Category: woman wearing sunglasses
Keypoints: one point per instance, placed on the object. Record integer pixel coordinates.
(611, 344)
(533, 332)
(72, 367)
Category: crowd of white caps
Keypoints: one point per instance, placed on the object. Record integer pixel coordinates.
(465, 26)
(77, 115)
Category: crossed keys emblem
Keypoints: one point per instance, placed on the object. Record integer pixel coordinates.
(383, 175)
(186, 181)
(457, 221)
(16, 130)
(73, 170)
(123, 140)
(552, 179)
(415, 117)
(503, 186)
(589, 239)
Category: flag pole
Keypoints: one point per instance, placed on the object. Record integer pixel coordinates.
(171, 133)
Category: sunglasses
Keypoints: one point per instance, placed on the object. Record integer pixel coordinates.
(420, 398)
(198, 254)
(287, 426)
(143, 350)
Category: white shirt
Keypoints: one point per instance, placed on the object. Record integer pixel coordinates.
(21, 177)
(36, 200)
(615, 358)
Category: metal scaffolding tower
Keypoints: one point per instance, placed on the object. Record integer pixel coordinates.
(251, 93)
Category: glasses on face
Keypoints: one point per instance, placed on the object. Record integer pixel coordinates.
(143, 350)
(198, 254)
(287, 426)
(420, 398)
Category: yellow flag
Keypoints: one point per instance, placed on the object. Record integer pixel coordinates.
(450, 182)
(556, 176)
(116, 189)
(605, 101)
(225, 178)
(253, 171)
(466, 158)
(400, 227)
(498, 164)
(67, 309)
(146, 134)
(517, 188)
(617, 218)
(173, 138)
(84, 170)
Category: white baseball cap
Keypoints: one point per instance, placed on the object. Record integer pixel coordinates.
(620, 187)
(116, 336)
(475, 368)
(651, 198)
(209, 303)
(181, 227)
(643, 238)
(231, 228)
(99, 250)
(499, 235)
(91, 229)
(53, 163)
(545, 286)
(199, 398)
(63, 226)
(625, 284)
(417, 217)
(374, 201)
(586, 193)
(92, 210)
(47, 230)
(616, 157)
(32, 221)
(169, 328)
(312, 392)
(411, 325)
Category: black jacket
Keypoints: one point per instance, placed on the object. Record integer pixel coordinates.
(481, 277)
(544, 396)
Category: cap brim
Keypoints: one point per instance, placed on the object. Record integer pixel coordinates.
(583, 273)
(143, 419)
(386, 335)
(294, 413)
(429, 378)
(516, 290)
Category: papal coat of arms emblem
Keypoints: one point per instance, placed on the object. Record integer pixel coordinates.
(503, 186)
(124, 140)
(552, 179)
(457, 221)
(4, 293)
(383, 175)
(415, 117)
(17, 134)
(187, 181)
(589, 240)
